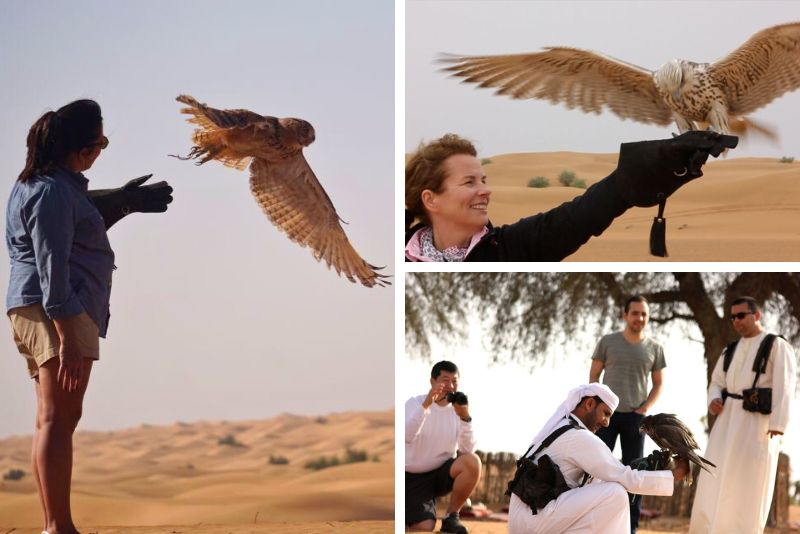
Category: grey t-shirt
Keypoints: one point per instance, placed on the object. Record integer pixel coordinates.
(627, 366)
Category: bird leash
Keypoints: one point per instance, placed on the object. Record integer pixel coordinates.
(658, 231)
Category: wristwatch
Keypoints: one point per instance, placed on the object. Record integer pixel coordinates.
(467, 419)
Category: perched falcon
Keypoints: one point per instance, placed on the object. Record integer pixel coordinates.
(280, 178)
(720, 93)
(669, 433)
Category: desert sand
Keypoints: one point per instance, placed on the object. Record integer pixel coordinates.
(182, 474)
(656, 526)
(745, 209)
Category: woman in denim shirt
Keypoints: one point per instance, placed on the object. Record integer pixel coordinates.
(61, 264)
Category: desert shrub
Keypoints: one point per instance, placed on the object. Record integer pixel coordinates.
(539, 182)
(375, 458)
(566, 178)
(352, 456)
(14, 474)
(320, 420)
(786, 159)
(278, 460)
(229, 440)
(485, 161)
(322, 463)
(579, 183)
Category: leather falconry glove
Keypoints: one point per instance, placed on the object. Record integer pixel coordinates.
(114, 204)
(650, 171)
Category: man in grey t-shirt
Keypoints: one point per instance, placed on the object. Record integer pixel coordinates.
(627, 358)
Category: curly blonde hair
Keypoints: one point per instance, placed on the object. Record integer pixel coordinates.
(425, 170)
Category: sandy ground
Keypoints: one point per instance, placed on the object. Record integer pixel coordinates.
(182, 475)
(345, 527)
(744, 209)
(655, 526)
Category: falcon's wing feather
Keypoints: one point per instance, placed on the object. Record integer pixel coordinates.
(762, 69)
(577, 78)
(295, 202)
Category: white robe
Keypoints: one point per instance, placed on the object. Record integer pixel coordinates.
(600, 507)
(736, 500)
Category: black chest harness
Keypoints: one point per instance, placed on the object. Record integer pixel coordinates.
(755, 399)
(536, 484)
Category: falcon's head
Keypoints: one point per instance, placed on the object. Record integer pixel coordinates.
(669, 78)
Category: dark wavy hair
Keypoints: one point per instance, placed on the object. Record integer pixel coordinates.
(56, 134)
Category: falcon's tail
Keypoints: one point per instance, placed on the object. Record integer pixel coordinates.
(699, 460)
(748, 129)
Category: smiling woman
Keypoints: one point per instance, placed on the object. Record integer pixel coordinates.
(448, 196)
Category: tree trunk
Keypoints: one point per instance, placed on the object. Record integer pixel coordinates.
(779, 510)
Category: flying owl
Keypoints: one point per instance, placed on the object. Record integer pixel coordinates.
(281, 180)
(719, 94)
(669, 433)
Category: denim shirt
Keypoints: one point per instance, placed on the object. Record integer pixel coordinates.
(59, 250)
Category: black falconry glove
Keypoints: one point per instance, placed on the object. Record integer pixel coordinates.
(650, 171)
(658, 460)
(114, 204)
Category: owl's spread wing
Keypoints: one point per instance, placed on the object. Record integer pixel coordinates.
(761, 70)
(577, 78)
(217, 130)
(295, 202)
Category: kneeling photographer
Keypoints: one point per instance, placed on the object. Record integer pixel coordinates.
(438, 426)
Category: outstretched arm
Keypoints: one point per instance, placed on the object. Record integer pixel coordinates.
(114, 204)
(647, 173)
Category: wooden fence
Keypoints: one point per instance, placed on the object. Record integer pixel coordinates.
(499, 467)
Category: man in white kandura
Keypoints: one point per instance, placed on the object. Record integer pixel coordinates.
(436, 426)
(599, 507)
(742, 443)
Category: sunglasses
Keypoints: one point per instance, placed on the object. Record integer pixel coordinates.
(740, 315)
(102, 144)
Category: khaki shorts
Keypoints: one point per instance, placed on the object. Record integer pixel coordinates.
(37, 339)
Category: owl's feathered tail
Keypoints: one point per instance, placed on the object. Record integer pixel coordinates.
(209, 137)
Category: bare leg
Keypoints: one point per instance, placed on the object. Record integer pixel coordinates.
(35, 447)
(465, 471)
(60, 412)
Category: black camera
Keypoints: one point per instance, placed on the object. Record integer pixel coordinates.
(456, 397)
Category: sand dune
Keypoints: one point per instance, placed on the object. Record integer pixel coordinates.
(183, 475)
(744, 209)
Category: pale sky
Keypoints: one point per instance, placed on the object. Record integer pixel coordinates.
(510, 402)
(647, 34)
(215, 314)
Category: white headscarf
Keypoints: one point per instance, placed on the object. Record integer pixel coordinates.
(569, 404)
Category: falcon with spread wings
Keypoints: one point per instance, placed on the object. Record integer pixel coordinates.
(720, 93)
(281, 180)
